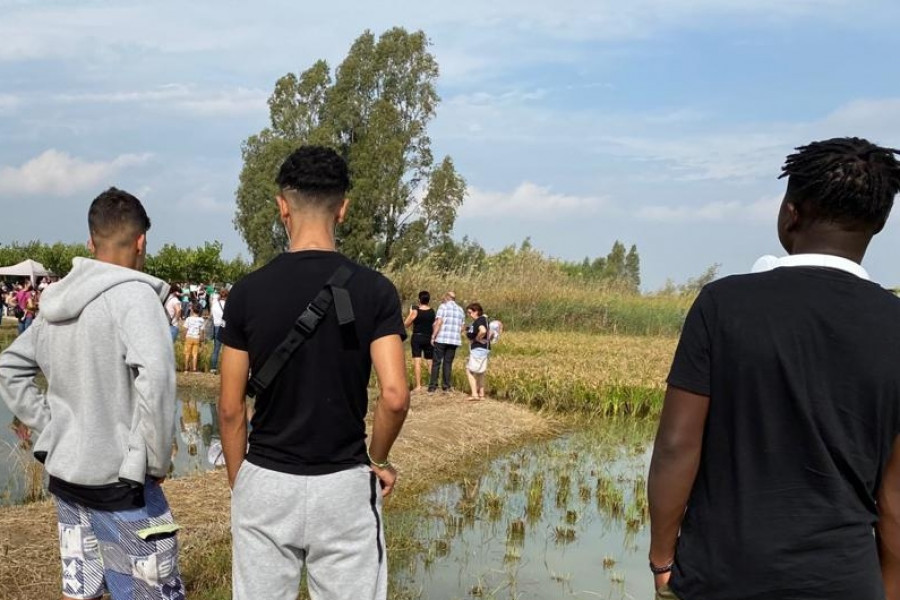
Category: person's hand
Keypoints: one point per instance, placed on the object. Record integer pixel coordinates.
(661, 579)
(387, 476)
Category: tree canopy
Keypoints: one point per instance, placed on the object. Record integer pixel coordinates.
(374, 110)
(619, 267)
(203, 264)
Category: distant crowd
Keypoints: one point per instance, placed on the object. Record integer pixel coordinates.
(196, 314)
(22, 300)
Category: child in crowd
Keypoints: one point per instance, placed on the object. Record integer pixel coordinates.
(193, 337)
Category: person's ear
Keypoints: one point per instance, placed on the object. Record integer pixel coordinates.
(141, 244)
(284, 208)
(91, 247)
(342, 211)
(792, 216)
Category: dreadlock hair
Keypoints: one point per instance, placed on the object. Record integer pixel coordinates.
(845, 180)
(315, 176)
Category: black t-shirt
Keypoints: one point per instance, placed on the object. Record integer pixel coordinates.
(311, 419)
(472, 332)
(424, 321)
(802, 368)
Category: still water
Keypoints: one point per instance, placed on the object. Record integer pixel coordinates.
(198, 447)
(565, 518)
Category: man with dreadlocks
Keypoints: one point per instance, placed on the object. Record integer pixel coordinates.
(776, 468)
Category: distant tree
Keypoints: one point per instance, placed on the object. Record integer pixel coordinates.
(57, 258)
(633, 268)
(202, 264)
(615, 263)
(618, 267)
(695, 284)
(375, 112)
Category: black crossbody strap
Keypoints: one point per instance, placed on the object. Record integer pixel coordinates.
(334, 291)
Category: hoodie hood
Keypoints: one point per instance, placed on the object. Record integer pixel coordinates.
(88, 279)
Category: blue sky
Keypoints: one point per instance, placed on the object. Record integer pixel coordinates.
(661, 123)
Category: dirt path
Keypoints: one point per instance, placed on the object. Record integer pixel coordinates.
(442, 433)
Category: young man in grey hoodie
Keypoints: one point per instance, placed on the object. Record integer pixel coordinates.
(105, 423)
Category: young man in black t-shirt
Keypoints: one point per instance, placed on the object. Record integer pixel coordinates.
(776, 468)
(307, 492)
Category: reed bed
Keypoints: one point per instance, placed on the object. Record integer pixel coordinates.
(529, 292)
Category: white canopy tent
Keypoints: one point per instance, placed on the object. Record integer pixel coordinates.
(27, 268)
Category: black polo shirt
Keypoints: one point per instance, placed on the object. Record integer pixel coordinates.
(802, 367)
(311, 420)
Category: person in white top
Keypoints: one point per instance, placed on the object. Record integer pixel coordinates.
(193, 337)
(173, 309)
(217, 310)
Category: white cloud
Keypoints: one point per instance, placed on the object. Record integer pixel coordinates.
(764, 209)
(877, 119)
(528, 201)
(59, 174)
(8, 104)
(740, 156)
(204, 201)
(183, 98)
(476, 34)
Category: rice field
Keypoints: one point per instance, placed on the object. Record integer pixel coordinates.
(604, 375)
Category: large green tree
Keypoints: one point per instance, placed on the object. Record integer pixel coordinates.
(374, 110)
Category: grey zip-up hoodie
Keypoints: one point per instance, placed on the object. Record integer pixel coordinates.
(102, 340)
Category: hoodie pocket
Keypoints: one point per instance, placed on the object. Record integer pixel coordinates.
(45, 443)
(134, 465)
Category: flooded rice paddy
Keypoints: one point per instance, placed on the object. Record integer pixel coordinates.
(197, 448)
(566, 518)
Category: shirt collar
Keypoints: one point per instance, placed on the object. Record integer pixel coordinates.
(767, 263)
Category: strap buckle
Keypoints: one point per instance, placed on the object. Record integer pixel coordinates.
(308, 319)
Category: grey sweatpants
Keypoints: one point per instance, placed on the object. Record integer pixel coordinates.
(332, 524)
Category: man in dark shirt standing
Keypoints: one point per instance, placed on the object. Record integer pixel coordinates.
(776, 468)
(307, 492)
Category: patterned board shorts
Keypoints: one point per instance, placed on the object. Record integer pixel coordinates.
(107, 550)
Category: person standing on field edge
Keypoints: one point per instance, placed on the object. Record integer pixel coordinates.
(421, 318)
(446, 337)
(106, 423)
(308, 492)
(776, 468)
(173, 310)
(217, 312)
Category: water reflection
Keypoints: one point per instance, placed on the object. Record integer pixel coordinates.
(197, 447)
(560, 519)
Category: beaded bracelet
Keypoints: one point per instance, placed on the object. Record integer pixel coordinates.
(660, 569)
(381, 465)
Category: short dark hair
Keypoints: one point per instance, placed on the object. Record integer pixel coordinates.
(847, 180)
(314, 175)
(115, 213)
(476, 307)
(424, 297)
